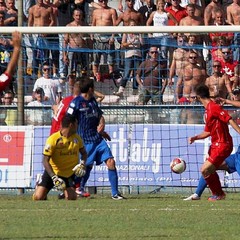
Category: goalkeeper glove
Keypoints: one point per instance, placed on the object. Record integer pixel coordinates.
(80, 169)
(59, 184)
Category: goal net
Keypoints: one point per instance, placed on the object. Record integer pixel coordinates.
(150, 124)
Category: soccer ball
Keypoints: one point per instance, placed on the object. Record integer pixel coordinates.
(178, 165)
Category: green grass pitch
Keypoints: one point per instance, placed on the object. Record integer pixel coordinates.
(141, 216)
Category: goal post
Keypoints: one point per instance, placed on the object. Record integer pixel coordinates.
(145, 138)
(122, 29)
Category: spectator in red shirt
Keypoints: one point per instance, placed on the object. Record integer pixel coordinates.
(177, 11)
(230, 66)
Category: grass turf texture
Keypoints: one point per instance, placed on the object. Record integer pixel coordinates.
(144, 216)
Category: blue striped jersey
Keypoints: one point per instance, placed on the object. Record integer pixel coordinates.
(88, 114)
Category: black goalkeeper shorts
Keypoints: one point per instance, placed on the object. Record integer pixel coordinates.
(47, 181)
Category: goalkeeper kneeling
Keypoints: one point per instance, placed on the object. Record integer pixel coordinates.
(61, 161)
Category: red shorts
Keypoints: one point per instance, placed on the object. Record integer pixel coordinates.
(218, 153)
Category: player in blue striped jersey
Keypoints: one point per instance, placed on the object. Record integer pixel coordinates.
(91, 129)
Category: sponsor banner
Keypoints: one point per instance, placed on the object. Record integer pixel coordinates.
(143, 154)
(40, 136)
(15, 156)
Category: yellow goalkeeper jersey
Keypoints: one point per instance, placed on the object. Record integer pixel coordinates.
(63, 153)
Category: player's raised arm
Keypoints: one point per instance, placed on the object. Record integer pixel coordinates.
(16, 41)
(6, 77)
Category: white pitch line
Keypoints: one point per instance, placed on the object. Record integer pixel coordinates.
(111, 210)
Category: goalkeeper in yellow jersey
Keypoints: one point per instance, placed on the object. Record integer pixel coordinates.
(61, 161)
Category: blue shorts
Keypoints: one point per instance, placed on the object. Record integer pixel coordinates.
(98, 152)
(233, 162)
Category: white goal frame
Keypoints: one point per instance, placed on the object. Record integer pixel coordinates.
(122, 29)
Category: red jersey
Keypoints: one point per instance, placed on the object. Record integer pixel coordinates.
(179, 14)
(216, 119)
(219, 34)
(61, 111)
(5, 79)
(228, 67)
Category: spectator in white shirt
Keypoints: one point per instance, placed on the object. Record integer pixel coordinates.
(52, 87)
(39, 116)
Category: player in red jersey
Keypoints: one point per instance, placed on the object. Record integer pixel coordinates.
(6, 77)
(216, 127)
(62, 108)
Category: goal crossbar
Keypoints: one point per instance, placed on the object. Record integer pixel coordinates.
(121, 29)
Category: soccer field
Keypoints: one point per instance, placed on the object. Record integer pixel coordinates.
(142, 216)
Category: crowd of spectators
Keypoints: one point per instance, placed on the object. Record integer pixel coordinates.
(186, 59)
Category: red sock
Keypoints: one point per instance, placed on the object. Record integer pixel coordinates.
(214, 184)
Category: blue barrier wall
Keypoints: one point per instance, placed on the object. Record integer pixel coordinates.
(143, 154)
